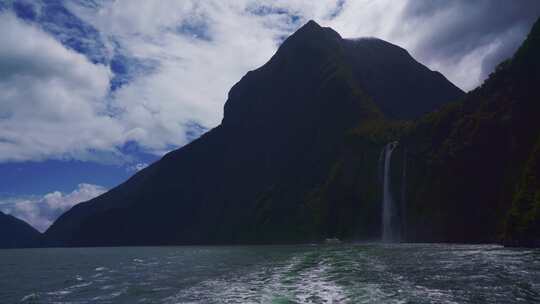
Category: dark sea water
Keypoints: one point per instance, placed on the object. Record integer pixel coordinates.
(363, 273)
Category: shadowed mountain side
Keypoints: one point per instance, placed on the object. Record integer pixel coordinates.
(246, 181)
(399, 85)
(473, 166)
(15, 233)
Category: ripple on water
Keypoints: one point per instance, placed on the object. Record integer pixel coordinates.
(30, 298)
(110, 296)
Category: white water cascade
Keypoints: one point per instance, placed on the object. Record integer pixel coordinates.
(388, 212)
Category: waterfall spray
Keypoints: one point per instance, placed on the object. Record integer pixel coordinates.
(387, 203)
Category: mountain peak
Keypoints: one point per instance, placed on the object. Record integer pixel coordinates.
(312, 30)
(311, 24)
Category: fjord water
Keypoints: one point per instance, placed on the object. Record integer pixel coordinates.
(352, 273)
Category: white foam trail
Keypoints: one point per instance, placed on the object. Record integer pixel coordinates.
(314, 286)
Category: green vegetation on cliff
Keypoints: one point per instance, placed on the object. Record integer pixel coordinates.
(473, 158)
(523, 222)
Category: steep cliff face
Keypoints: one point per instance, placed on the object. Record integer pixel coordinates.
(472, 159)
(256, 177)
(15, 233)
(522, 226)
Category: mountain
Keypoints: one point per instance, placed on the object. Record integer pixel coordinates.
(401, 87)
(257, 177)
(15, 233)
(473, 168)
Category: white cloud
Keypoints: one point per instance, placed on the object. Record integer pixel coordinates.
(137, 167)
(53, 99)
(192, 76)
(41, 212)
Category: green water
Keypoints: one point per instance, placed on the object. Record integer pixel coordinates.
(363, 273)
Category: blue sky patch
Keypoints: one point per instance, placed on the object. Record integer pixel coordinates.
(195, 28)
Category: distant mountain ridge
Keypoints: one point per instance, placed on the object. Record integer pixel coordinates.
(15, 233)
(251, 179)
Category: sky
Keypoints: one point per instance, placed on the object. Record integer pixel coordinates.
(92, 91)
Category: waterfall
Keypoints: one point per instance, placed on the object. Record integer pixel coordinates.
(388, 211)
(380, 169)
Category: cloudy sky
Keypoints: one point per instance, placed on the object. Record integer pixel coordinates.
(92, 91)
